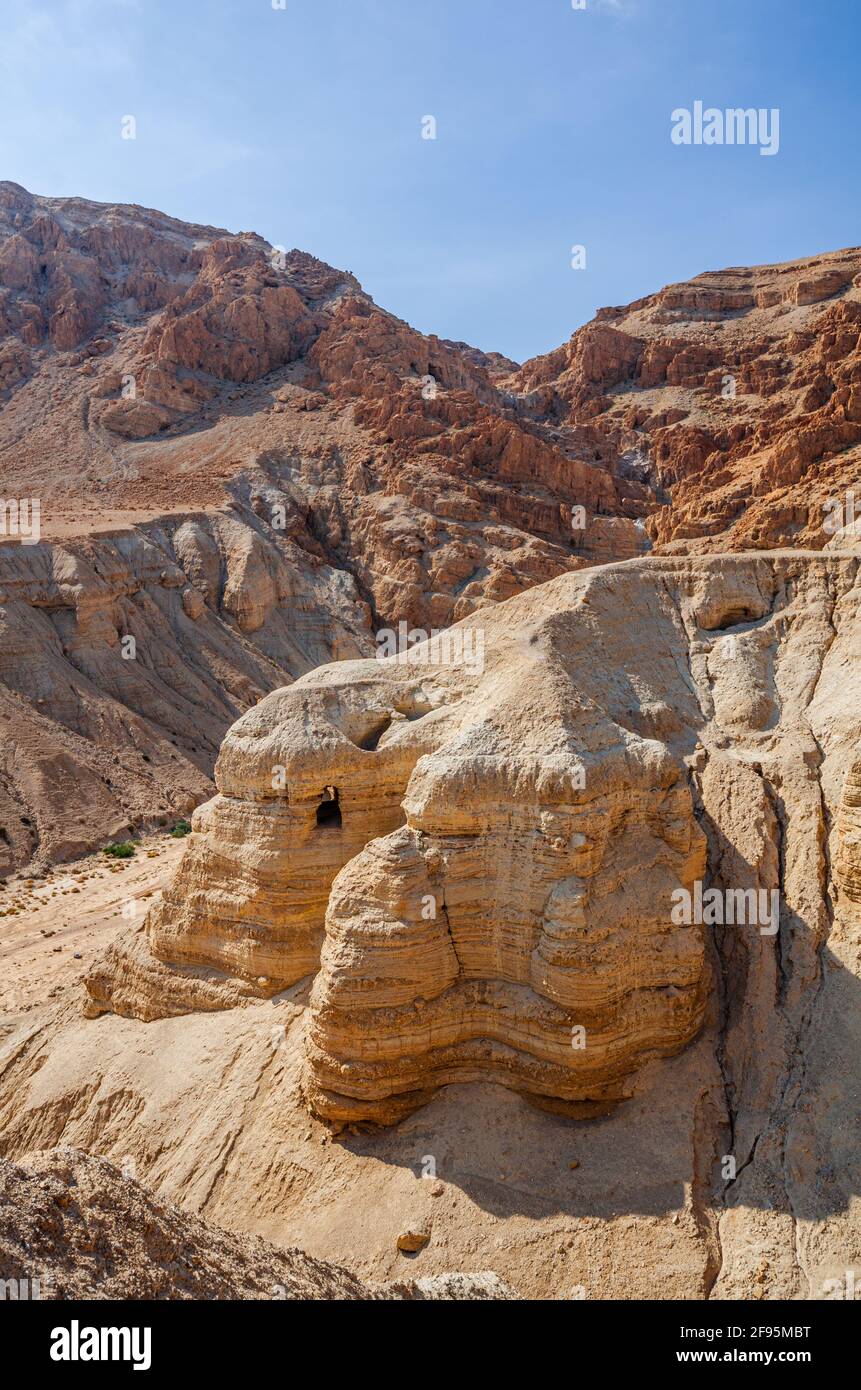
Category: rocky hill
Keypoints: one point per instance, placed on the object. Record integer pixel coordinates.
(75, 1227)
(244, 467)
(736, 395)
(173, 366)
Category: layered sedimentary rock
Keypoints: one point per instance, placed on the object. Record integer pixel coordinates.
(735, 396)
(718, 697)
(558, 987)
(176, 365)
(848, 859)
(477, 940)
(241, 432)
(125, 657)
(300, 795)
(171, 363)
(493, 843)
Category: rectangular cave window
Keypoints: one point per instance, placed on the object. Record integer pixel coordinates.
(329, 810)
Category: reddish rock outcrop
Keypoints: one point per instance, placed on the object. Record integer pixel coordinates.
(736, 397)
(177, 369)
(172, 363)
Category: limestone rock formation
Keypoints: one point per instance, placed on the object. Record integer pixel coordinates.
(125, 657)
(246, 429)
(848, 865)
(467, 929)
(493, 847)
(452, 874)
(433, 956)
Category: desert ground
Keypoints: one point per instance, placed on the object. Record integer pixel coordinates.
(212, 1118)
(51, 927)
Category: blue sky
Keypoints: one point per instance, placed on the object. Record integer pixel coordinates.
(553, 129)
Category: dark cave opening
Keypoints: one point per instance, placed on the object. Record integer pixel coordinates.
(329, 810)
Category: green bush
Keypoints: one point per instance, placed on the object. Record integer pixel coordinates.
(182, 827)
(120, 849)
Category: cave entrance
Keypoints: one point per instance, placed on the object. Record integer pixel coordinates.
(329, 810)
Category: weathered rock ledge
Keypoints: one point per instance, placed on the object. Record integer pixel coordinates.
(481, 855)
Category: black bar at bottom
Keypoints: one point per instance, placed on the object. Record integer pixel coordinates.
(65, 1338)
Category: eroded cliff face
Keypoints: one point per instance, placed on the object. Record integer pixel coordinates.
(473, 941)
(492, 876)
(353, 470)
(201, 418)
(436, 894)
(126, 656)
(176, 366)
(508, 836)
(736, 396)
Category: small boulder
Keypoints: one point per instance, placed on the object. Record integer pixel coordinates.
(411, 1241)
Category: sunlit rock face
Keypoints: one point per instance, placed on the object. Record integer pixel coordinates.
(476, 850)
(261, 467)
(848, 865)
(511, 937)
